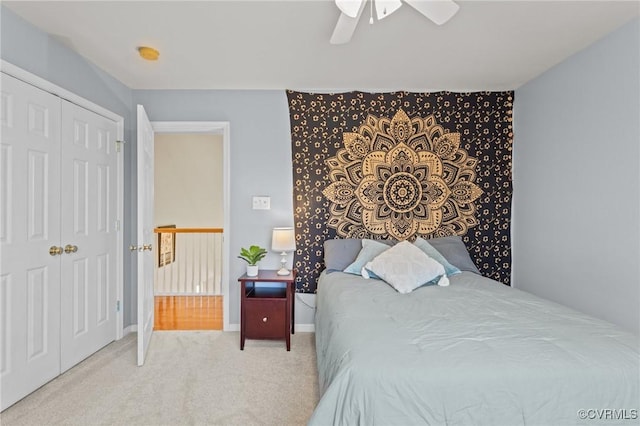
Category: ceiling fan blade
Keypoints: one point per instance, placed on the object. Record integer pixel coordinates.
(439, 11)
(350, 7)
(385, 8)
(344, 30)
(345, 27)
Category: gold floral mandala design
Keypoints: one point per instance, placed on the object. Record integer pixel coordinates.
(400, 178)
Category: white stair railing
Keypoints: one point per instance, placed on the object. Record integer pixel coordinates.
(188, 261)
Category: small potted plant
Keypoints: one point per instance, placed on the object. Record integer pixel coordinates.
(252, 256)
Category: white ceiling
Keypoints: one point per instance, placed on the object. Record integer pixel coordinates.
(488, 45)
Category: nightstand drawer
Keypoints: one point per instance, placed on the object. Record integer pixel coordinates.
(265, 318)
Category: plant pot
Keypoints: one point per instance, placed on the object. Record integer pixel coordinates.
(252, 270)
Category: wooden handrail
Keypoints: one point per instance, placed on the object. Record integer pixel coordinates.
(188, 230)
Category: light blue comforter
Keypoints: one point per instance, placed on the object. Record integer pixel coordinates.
(476, 352)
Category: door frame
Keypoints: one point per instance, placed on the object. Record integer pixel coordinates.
(212, 128)
(47, 86)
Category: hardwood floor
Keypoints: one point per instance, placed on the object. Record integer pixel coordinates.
(188, 313)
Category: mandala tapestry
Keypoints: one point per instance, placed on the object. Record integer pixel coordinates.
(402, 165)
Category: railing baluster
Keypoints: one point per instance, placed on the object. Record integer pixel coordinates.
(207, 239)
(216, 262)
(197, 266)
(199, 262)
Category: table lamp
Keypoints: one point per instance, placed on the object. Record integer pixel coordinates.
(283, 240)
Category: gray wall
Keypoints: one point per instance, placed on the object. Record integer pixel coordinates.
(39, 53)
(576, 170)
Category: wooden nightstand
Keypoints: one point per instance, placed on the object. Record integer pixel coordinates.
(267, 312)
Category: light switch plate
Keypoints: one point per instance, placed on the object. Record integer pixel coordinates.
(261, 202)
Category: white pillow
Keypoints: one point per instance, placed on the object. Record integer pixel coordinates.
(405, 267)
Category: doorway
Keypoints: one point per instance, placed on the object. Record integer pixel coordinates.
(188, 204)
(192, 195)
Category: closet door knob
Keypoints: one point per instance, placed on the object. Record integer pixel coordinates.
(55, 250)
(70, 249)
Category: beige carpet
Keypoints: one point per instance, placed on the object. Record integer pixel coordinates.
(190, 377)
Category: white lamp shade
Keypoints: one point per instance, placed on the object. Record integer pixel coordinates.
(283, 239)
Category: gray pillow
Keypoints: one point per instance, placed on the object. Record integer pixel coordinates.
(342, 252)
(454, 250)
(428, 249)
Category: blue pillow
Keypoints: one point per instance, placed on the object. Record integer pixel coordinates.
(370, 249)
(430, 251)
(369, 274)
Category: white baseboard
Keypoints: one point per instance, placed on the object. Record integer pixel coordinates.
(301, 328)
(305, 328)
(233, 327)
(131, 329)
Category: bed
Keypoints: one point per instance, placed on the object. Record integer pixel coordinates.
(474, 352)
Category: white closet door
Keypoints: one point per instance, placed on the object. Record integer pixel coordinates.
(88, 279)
(29, 227)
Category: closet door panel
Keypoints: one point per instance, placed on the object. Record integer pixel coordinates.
(29, 229)
(88, 224)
